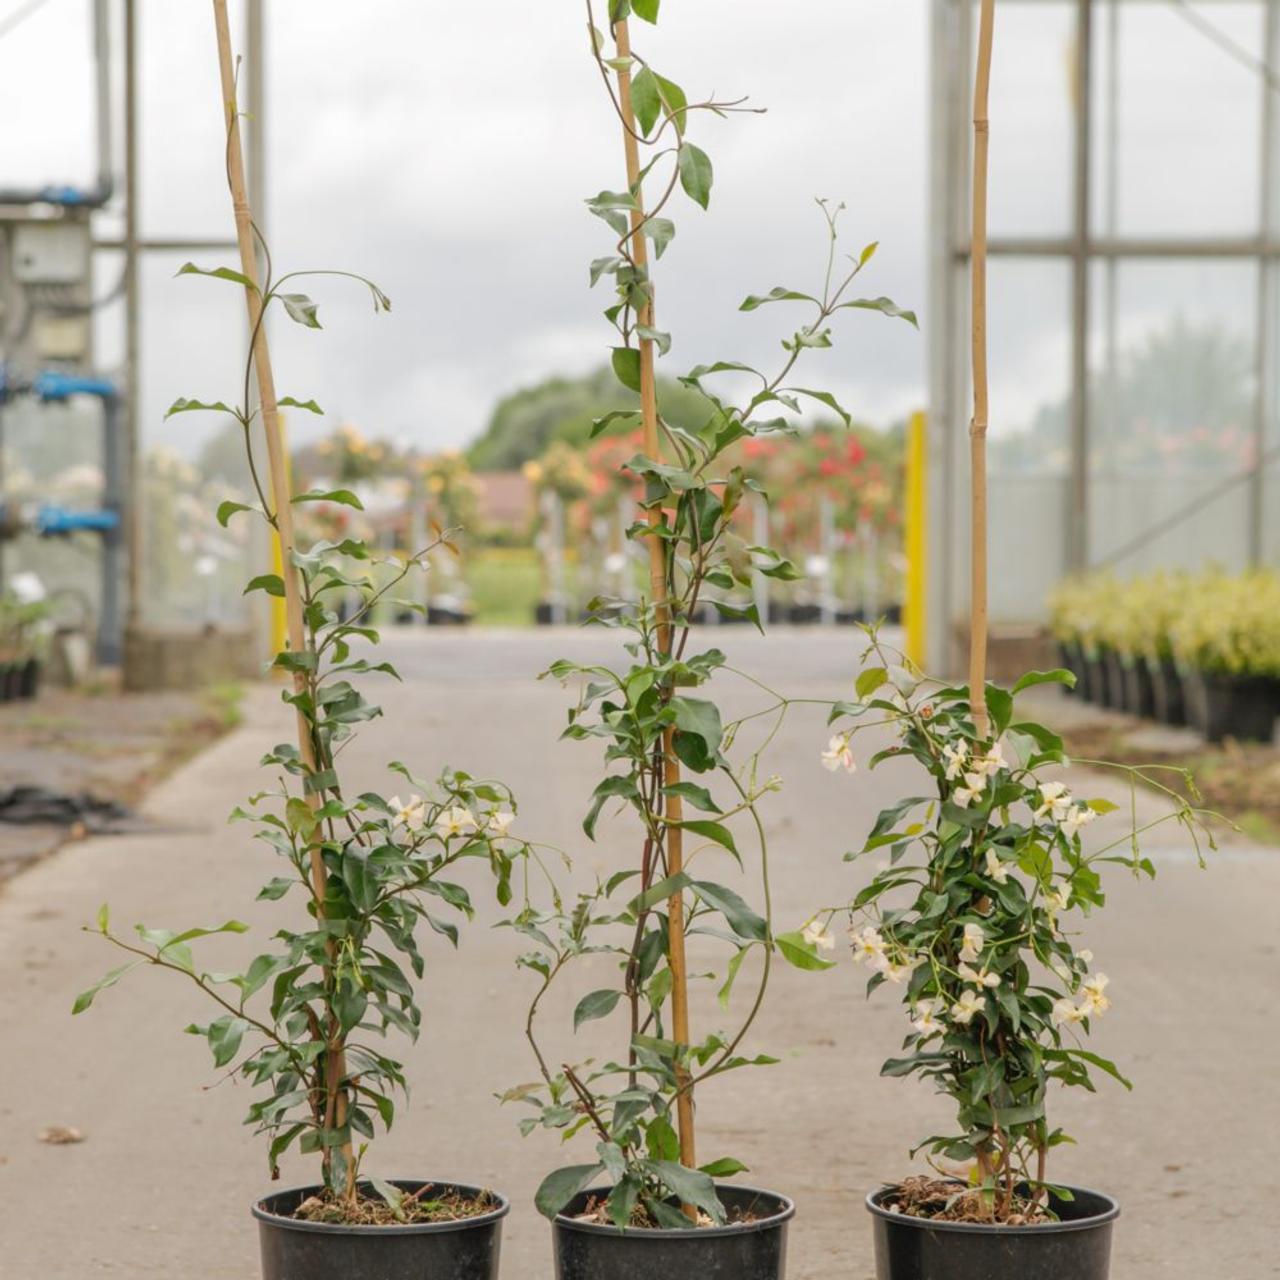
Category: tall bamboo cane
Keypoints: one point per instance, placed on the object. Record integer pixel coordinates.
(659, 587)
(335, 1061)
(978, 424)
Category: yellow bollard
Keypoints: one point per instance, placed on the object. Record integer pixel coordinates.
(277, 604)
(915, 536)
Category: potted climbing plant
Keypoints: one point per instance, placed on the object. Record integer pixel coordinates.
(973, 919)
(648, 1201)
(305, 1024)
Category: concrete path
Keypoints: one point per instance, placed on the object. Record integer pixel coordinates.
(162, 1183)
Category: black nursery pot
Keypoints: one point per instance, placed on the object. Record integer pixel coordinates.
(1139, 693)
(1166, 692)
(293, 1250)
(1071, 659)
(1224, 706)
(754, 1250)
(29, 680)
(1076, 1248)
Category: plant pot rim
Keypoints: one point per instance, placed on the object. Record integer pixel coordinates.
(399, 1229)
(1109, 1214)
(785, 1213)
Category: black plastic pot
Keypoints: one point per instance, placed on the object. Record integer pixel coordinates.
(1225, 706)
(1139, 689)
(1092, 677)
(1071, 659)
(29, 678)
(804, 615)
(755, 1250)
(442, 616)
(1076, 1248)
(1114, 666)
(1166, 692)
(295, 1250)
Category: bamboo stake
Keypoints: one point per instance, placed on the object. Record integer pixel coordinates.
(978, 425)
(674, 809)
(335, 1061)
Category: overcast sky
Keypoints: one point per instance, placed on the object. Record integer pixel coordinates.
(445, 150)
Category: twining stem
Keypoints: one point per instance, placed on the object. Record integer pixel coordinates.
(978, 425)
(658, 578)
(335, 1058)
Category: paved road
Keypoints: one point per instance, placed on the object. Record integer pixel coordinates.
(162, 1183)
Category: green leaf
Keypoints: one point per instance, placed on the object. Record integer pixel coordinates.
(659, 892)
(695, 174)
(228, 508)
(183, 405)
(699, 719)
(224, 1037)
(626, 365)
(288, 402)
(690, 1186)
(674, 102)
(777, 294)
(725, 1167)
(1103, 1064)
(742, 919)
(713, 831)
(646, 9)
(869, 680)
(217, 273)
(271, 583)
(85, 998)
(645, 100)
(344, 496)
(1056, 676)
(104, 918)
(825, 397)
(300, 308)
(1000, 705)
(620, 786)
(884, 305)
(660, 338)
(560, 1187)
(596, 1004)
(697, 796)
(1102, 806)
(804, 955)
(661, 231)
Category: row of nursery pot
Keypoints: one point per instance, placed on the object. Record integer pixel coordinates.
(21, 647)
(1184, 648)
(972, 922)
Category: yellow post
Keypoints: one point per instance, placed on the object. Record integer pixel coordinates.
(916, 534)
(277, 605)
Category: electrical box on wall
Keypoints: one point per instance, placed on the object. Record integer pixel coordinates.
(51, 252)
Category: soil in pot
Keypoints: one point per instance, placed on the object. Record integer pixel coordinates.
(454, 1232)
(1227, 706)
(1075, 1244)
(752, 1245)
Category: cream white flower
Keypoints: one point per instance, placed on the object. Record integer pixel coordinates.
(974, 785)
(993, 761)
(955, 755)
(499, 822)
(983, 979)
(971, 947)
(838, 755)
(996, 869)
(867, 945)
(1078, 817)
(1057, 899)
(962, 1011)
(816, 934)
(896, 971)
(1066, 1013)
(1085, 954)
(1055, 801)
(1093, 990)
(456, 821)
(926, 1017)
(408, 811)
